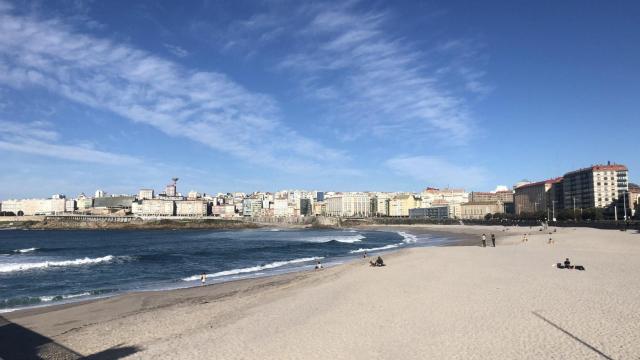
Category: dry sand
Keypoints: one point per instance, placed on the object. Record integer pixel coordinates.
(508, 302)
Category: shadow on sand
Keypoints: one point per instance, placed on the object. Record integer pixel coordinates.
(572, 336)
(21, 343)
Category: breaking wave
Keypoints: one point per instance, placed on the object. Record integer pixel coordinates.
(25, 250)
(349, 239)
(272, 265)
(387, 247)
(15, 267)
(408, 238)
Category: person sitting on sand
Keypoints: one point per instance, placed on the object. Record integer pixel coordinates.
(567, 264)
(379, 261)
(318, 265)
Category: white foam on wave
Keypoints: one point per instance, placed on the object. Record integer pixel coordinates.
(25, 250)
(14, 267)
(349, 239)
(62, 297)
(386, 247)
(408, 238)
(272, 265)
(274, 229)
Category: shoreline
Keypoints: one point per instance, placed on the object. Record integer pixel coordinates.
(461, 240)
(472, 301)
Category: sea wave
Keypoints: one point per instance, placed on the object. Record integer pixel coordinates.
(25, 250)
(272, 265)
(386, 247)
(15, 267)
(408, 238)
(349, 239)
(22, 301)
(62, 297)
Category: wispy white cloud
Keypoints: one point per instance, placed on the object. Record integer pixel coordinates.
(176, 50)
(38, 138)
(206, 107)
(437, 171)
(380, 81)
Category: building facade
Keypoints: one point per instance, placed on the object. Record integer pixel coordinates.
(399, 205)
(35, 206)
(478, 210)
(349, 205)
(598, 186)
(191, 208)
(539, 196)
(154, 207)
(145, 194)
(430, 213)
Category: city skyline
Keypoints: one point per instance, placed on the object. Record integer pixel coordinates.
(347, 96)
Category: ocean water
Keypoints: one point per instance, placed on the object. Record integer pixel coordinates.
(47, 267)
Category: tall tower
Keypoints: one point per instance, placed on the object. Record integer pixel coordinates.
(172, 189)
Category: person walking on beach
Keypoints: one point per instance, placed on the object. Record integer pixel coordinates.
(524, 238)
(493, 239)
(203, 278)
(484, 240)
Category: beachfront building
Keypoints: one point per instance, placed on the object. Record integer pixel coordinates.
(223, 211)
(441, 197)
(191, 208)
(320, 208)
(504, 196)
(478, 210)
(349, 205)
(599, 186)
(633, 198)
(430, 213)
(145, 194)
(380, 202)
(281, 207)
(84, 203)
(539, 196)
(30, 207)
(251, 206)
(399, 205)
(70, 206)
(153, 207)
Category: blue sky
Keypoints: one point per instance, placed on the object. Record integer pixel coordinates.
(358, 95)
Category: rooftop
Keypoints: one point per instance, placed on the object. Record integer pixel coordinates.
(538, 183)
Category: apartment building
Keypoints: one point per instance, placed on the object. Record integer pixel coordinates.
(539, 196)
(349, 204)
(599, 186)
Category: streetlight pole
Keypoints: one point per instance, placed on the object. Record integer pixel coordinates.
(553, 207)
(624, 201)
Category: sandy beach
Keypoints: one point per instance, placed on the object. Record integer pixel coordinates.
(460, 302)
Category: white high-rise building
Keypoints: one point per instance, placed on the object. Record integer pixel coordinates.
(349, 204)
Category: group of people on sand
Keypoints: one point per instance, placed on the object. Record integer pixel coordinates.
(378, 262)
(484, 240)
(525, 238)
(567, 265)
